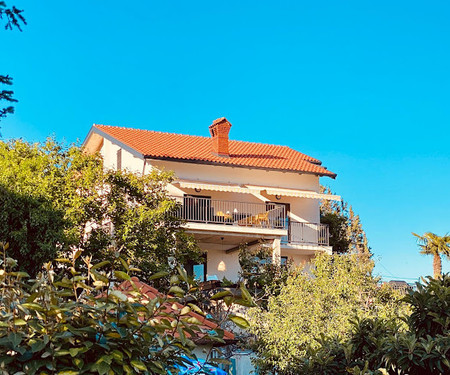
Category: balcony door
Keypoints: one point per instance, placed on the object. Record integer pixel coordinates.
(283, 220)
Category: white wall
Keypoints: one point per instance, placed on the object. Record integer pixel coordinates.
(222, 265)
(130, 162)
(238, 175)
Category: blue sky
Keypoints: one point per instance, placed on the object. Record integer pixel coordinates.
(363, 86)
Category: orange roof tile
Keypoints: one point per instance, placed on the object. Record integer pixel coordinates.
(189, 148)
(152, 293)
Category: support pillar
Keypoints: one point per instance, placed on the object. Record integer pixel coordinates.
(276, 251)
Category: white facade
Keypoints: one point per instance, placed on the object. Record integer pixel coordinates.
(221, 240)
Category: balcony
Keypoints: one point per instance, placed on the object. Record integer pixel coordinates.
(240, 215)
(211, 211)
(307, 233)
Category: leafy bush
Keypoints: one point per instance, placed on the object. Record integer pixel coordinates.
(70, 322)
(378, 346)
(317, 304)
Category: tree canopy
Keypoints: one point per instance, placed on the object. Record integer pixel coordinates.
(437, 246)
(379, 347)
(56, 199)
(317, 303)
(346, 231)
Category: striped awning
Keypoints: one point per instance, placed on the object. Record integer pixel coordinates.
(252, 189)
(229, 188)
(295, 193)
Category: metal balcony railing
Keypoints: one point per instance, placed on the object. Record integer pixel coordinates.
(307, 233)
(205, 210)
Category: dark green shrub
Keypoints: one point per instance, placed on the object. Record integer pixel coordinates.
(70, 322)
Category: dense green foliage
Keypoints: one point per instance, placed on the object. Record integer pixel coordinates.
(318, 303)
(71, 321)
(379, 346)
(346, 232)
(56, 199)
(262, 277)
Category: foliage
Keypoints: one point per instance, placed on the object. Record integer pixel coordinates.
(261, 276)
(14, 19)
(379, 346)
(58, 199)
(315, 304)
(71, 321)
(432, 244)
(346, 231)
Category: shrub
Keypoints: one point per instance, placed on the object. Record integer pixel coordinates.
(378, 346)
(317, 304)
(71, 320)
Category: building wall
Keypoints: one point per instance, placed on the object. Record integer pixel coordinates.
(222, 265)
(219, 263)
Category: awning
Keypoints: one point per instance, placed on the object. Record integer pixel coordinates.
(229, 188)
(295, 193)
(252, 189)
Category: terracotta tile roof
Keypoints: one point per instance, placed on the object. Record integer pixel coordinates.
(189, 148)
(152, 293)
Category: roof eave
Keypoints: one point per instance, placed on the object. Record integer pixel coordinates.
(207, 162)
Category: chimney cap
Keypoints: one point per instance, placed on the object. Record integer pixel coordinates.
(219, 120)
(219, 130)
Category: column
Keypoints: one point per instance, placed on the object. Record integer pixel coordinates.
(276, 251)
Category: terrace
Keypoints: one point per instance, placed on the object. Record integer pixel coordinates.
(242, 216)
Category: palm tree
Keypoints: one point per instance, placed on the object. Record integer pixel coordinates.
(435, 245)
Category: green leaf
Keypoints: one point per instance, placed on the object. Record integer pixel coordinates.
(183, 274)
(15, 338)
(158, 275)
(122, 297)
(176, 290)
(101, 264)
(222, 294)
(239, 321)
(245, 294)
(138, 365)
(124, 264)
(63, 260)
(122, 275)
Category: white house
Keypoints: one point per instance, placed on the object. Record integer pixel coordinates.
(231, 192)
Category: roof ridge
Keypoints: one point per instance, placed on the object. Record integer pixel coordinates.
(202, 136)
(152, 131)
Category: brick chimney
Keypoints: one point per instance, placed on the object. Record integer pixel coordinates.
(219, 130)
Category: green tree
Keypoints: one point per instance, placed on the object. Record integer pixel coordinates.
(14, 19)
(56, 199)
(432, 244)
(262, 277)
(315, 304)
(379, 346)
(346, 231)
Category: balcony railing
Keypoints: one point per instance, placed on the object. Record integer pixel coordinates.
(307, 233)
(211, 211)
(259, 215)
